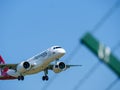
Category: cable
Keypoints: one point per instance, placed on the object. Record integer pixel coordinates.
(112, 84)
(106, 16)
(93, 69)
(117, 79)
(89, 73)
(98, 25)
(72, 54)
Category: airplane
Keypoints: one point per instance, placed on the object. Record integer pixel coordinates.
(38, 63)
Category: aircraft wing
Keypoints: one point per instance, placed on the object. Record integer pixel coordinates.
(50, 67)
(68, 66)
(10, 66)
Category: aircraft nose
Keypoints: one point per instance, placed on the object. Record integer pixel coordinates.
(62, 51)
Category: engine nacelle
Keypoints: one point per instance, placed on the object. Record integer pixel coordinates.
(23, 66)
(60, 66)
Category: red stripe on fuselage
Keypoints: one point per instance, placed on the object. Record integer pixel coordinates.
(7, 77)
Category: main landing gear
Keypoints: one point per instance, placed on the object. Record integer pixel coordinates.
(45, 77)
(20, 78)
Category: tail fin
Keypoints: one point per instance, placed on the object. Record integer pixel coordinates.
(2, 60)
(2, 71)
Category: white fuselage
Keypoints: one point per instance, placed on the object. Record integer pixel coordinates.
(40, 61)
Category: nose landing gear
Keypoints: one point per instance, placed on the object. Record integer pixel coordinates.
(45, 77)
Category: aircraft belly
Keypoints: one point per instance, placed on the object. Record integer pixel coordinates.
(39, 67)
(33, 71)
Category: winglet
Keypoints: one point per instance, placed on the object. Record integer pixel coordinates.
(2, 60)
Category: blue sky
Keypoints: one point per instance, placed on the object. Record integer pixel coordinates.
(29, 26)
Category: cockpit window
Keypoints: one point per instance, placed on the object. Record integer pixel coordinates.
(57, 47)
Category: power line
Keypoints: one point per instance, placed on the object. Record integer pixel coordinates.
(112, 84)
(106, 16)
(88, 74)
(98, 25)
(117, 79)
(93, 69)
(74, 52)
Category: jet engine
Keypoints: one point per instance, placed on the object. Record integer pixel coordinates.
(60, 66)
(23, 66)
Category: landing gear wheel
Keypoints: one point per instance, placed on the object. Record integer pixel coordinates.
(20, 78)
(45, 78)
